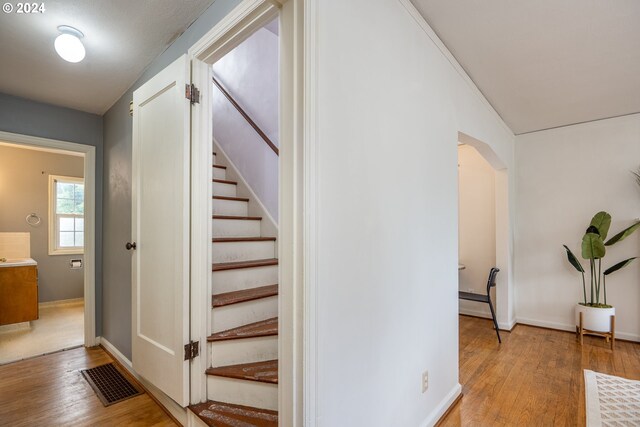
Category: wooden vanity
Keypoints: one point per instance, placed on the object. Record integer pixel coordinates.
(18, 291)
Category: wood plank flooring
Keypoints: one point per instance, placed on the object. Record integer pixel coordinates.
(50, 391)
(534, 378)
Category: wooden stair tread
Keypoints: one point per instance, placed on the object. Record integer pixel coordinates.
(263, 328)
(219, 166)
(216, 414)
(244, 264)
(264, 371)
(242, 239)
(237, 199)
(235, 297)
(245, 218)
(224, 181)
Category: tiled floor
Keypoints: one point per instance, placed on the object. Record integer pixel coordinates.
(59, 327)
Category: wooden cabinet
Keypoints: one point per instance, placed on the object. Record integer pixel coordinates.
(18, 294)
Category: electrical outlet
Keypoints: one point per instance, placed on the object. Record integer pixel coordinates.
(425, 381)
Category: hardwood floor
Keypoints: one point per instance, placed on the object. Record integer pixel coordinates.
(50, 391)
(534, 378)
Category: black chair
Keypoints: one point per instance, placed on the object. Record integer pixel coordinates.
(470, 296)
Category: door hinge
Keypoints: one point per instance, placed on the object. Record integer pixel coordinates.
(192, 93)
(191, 350)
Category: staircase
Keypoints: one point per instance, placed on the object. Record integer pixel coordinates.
(242, 382)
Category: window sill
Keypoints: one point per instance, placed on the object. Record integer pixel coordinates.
(67, 252)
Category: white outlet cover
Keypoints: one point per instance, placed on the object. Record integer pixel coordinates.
(425, 381)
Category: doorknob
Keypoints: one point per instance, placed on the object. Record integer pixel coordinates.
(130, 246)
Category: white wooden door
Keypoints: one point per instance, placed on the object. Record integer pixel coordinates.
(160, 225)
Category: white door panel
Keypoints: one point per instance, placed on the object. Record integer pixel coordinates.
(160, 225)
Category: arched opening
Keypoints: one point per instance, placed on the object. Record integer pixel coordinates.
(484, 224)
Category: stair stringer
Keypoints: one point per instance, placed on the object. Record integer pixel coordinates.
(269, 227)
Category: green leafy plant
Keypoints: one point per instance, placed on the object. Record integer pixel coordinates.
(594, 249)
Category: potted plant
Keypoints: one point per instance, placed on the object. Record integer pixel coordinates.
(596, 312)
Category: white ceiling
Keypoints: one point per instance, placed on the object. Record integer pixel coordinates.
(122, 37)
(545, 63)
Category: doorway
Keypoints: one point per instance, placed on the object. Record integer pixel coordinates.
(47, 232)
(484, 229)
(224, 37)
(476, 225)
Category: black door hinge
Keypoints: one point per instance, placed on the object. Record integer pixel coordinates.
(192, 94)
(191, 350)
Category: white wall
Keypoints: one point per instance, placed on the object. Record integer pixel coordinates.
(388, 110)
(250, 74)
(476, 225)
(565, 176)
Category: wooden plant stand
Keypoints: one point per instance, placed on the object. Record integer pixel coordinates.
(609, 336)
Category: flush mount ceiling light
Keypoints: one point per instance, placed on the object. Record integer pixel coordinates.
(68, 44)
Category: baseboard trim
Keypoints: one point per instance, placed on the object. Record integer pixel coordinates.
(175, 411)
(61, 302)
(449, 409)
(443, 407)
(474, 313)
(623, 336)
(507, 327)
(15, 327)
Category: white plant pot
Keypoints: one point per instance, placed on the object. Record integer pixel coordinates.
(594, 318)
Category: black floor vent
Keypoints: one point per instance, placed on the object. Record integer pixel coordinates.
(109, 384)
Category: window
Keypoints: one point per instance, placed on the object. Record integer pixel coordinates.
(66, 215)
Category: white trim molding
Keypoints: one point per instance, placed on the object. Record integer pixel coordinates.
(239, 24)
(176, 410)
(61, 303)
(569, 328)
(310, 183)
(53, 232)
(442, 407)
(89, 153)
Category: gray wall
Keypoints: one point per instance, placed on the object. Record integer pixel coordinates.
(18, 115)
(116, 296)
(24, 175)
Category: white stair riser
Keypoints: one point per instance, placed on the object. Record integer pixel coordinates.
(243, 278)
(223, 189)
(243, 313)
(236, 228)
(219, 173)
(246, 350)
(230, 207)
(243, 251)
(243, 392)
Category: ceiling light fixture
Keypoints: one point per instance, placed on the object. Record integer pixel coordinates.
(68, 44)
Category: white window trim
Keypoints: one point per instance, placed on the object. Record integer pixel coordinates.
(53, 250)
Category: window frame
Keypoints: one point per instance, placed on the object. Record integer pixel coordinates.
(54, 232)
